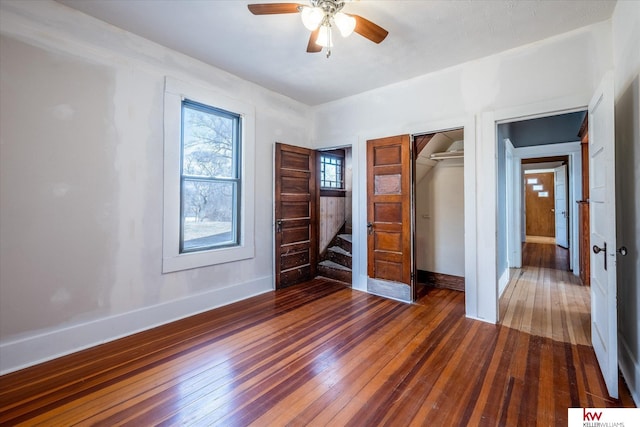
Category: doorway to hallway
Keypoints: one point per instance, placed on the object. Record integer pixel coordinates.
(545, 299)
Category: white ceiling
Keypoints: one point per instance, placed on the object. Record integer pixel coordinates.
(424, 36)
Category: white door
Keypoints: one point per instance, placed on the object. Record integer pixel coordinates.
(561, 210)
(602, 210)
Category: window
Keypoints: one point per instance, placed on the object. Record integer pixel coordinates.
(208, 178)
(331, 171)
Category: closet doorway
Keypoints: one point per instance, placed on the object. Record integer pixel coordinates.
(438, 182)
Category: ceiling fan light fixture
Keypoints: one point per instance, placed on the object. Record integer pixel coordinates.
(311, 17)
(345, 23)
(319, 16)
(324, 37)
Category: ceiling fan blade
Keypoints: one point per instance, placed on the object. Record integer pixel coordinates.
(368, 29)
(273, 8)
(313, 47)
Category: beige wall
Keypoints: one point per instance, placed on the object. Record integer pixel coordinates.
(81, 131)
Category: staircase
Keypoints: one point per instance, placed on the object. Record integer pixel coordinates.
(336, 261)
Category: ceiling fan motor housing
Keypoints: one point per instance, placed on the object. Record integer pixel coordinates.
(330, 7)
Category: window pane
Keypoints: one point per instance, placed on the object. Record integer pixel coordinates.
(208, 212)
(208, 140)
(331, 172)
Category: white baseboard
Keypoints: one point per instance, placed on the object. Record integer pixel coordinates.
(25, 352)
(504, 280)
(480, 319)
(630, 368)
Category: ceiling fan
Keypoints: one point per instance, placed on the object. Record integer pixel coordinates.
(320, 17)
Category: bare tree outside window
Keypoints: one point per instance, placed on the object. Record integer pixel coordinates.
(210, 177)
(331, 171)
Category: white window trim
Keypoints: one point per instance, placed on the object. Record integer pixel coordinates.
(172, 260)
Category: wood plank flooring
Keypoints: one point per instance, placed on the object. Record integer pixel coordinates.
(540, 239)
(544, 299)
(318, 353)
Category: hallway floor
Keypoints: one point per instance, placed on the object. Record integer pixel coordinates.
(543, 298)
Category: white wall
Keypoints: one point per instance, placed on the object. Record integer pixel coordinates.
(440, 219)
(81, 132)
(626, 58)
(562, 70)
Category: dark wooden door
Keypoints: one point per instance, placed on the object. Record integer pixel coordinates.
(540, 204)
(296, 215)
(389, 209)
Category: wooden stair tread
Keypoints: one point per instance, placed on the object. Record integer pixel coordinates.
(339, 250)
(335, 265)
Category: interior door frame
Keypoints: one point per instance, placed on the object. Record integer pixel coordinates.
(574, 190)
(319, 150)
(469, 124)
(488, 282)
(414, 158)
(355, 269)
(356, 251)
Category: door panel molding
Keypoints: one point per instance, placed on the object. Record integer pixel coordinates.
(297, 200)
(602, 214)
(389, 255)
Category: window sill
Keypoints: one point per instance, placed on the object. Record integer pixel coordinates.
(190, 260)
(333, 192)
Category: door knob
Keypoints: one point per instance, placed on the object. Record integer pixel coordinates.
(622, 250)
(370, 227)
(278, 226)
(597, 250)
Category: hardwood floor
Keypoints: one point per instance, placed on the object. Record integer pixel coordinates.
(545, 299)
(545, 256)
(318, 353)
(540, 239)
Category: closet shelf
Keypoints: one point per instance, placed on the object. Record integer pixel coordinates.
(447, 155)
